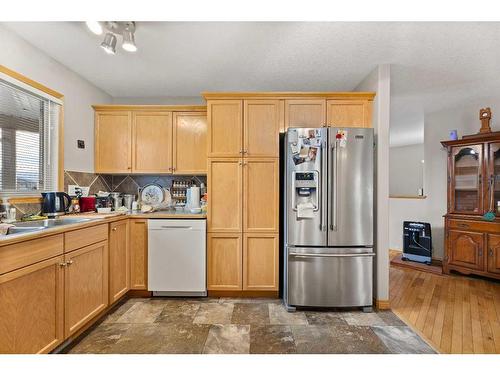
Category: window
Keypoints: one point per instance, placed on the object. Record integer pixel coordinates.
(29, 122)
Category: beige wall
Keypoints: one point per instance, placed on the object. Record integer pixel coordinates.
(79, 94)
(406, 171)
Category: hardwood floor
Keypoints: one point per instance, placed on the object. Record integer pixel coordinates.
(455, 314)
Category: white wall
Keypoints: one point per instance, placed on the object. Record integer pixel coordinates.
(464, 118)
(79, 95)
(165, 100)
(406, 174)
(401, 210)
(379, 81)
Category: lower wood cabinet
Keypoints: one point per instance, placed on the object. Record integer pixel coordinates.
(224, 261)
(493, 265)
(119, 260)
(467, 249)
(138, 242)
(260, 261)
(85, 285)
(31, 308)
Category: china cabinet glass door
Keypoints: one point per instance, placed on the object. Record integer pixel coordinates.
(493, 198)
(466, 184)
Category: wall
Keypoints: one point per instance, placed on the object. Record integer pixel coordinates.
(379, 80)
(79, 94)
(165, 100)
(401, 210)
(406, 173)
(464, 118)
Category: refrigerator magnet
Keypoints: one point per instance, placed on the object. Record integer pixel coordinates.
(311, 155)
(293, 136)
(295, 149)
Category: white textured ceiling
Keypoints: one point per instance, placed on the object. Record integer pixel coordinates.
(434, 65)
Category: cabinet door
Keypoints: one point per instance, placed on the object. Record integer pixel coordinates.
(152, 142)
(224, 261)
(85, 285)
(138, 242)
(190, 143)
(466, 191)
(349, 113)
(225, 128)
(31, 308)
(307, 113)
(465, 249)
(119, 260)
(225, 195)
(493, 196)
(261, 128)
(494, 253)
(260, 261)
(113, 145)
(261, 195)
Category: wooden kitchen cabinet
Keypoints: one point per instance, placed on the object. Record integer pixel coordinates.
(85, 285)
(190, 143)
(493, 248)
(467, 249)
(224, 261)
(32, 308)
(152, 142)
(260, 261)
(113, 142)
(349, 113)
(225, 133)
(225, 191)
(138, 242)
(261, 127)
(305, 113)
(119, 260)
(261, 195)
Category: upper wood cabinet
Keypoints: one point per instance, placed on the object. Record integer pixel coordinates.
(138, 243)
(152, 142)
(225, 133)
(261, 127)
(305, 113)
(190, 143)
(349, 113)
(225, 189)
(85, 285)
(113, 143)
(150, 139)
(32, 309)
(119, 260)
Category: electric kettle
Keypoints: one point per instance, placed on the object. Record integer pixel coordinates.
(53, 203)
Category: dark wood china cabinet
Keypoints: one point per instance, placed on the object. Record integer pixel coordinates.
(472, 221)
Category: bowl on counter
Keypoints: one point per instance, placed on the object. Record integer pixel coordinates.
(195, 210)
(103, 210)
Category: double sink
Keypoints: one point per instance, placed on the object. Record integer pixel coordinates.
(37, 225)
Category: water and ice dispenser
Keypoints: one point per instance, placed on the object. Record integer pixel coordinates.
(305, 193)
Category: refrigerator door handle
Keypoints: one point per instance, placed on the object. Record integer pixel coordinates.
(333, 211)
(311, 255)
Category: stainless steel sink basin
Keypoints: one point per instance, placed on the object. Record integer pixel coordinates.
(31, 226)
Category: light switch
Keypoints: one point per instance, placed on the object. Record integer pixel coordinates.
(80, 143)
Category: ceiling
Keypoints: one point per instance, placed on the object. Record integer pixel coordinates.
(434, 65)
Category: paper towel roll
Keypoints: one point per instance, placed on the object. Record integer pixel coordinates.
(195, 197)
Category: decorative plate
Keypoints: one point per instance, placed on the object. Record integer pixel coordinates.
(152, 194)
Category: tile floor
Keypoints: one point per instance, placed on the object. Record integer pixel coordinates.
(225, 325)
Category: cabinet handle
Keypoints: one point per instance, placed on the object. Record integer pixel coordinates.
(241, 151)
(240, 163)
(461, 225)
(62, 264)
(245, 151)
(169, 168)
(491, 252)
(69, 262)
(480, 252)
(113, 229)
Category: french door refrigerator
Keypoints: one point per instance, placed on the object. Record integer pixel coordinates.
(328, 204)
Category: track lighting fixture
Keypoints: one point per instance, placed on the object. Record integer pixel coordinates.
(113, 28)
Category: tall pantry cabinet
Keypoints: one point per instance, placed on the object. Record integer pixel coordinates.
(243, 177)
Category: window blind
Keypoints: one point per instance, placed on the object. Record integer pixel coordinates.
(28, 141)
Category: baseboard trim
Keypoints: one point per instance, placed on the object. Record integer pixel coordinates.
(244, 293)
(382, 304)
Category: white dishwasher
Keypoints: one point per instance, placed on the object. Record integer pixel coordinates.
(177, 257)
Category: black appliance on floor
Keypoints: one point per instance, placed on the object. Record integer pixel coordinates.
(417, 242)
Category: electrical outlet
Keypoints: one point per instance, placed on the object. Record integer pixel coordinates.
(80, 143)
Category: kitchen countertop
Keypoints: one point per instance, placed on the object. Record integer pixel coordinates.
(95, 219)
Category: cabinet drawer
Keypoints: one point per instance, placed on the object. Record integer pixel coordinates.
(84, 237)
(25, 253)
(474, 225)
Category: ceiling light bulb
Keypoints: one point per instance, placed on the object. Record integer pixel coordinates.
(95, 27)
(109, 43)
(129, 41)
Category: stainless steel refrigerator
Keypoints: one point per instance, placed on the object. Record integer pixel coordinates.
(328, 258)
